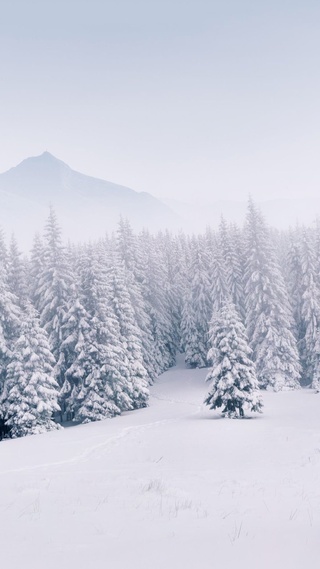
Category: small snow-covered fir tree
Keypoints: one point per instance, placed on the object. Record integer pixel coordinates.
(234, 384)
(30, 396)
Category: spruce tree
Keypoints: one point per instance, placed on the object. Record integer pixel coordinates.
(199, 306)
(153, 275)
(234, 386)
(105, 389)
(191, 334)
(52, 288)
(268, 313)
(10, 320)
(30, 396)
(129, 254)
(220, 291)
(17, 273)
(310, 312)
(130, 337)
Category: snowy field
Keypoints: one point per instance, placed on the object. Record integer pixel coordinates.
(171, 486)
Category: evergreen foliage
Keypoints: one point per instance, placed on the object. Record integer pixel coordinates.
(268, 313)
(30, 395)
(115, 312)
(198, 307)
(234, 386)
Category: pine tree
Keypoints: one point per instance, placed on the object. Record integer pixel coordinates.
(234, 385)
(310, 313)
(10, 318)
(105, 388)
(30, 396)
(268, 313)
(130, 337)
(295, 277)
(3, 252)
(128, 253)
(74, 351)
(220, 291)
(52, 288)
(17, 273)
(197, 310)
(231, 243)
(191, 335)
(36, 267)
(173, 281)
(153, 275)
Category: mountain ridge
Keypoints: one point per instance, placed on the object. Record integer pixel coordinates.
(87, 207)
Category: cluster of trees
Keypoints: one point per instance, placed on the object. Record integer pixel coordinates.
(85, 329)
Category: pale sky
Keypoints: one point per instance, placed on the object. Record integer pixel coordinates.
(189, 99)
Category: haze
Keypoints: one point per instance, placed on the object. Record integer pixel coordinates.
(191, 100)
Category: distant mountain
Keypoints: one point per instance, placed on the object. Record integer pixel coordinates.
(87, 207)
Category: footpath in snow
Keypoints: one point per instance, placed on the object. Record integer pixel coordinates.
(171, 486)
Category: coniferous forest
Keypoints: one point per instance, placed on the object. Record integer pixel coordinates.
(86, 329)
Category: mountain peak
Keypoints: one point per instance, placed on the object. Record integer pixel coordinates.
(85, 205)
(46, 156)
(46, 159)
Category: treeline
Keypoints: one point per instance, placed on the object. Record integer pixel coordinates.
(85, 329)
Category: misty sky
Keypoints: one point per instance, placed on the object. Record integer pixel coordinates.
(190, 99)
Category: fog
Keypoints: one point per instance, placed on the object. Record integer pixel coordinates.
(193, 101)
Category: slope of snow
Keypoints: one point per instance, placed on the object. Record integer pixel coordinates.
(169, 486)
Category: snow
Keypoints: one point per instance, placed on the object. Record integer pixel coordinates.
(170, 486)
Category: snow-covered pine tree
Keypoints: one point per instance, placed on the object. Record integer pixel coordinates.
(3, 251)
(268, 312)
(53, 286)
(231, 244)
(30, 396)
(174, 281)
(317, 249)
(77, 353)
(310, 313)
(17, 273)
(128, 252)
(191, 335)
(234, 386)
(197, 309)
(10, 318)
(130, 337)
(218, 273)
(294, 279)
(35, 269)
(182, 280)
(105, 389)
(153, 275)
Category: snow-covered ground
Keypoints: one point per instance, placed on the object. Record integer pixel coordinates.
(171, 486)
